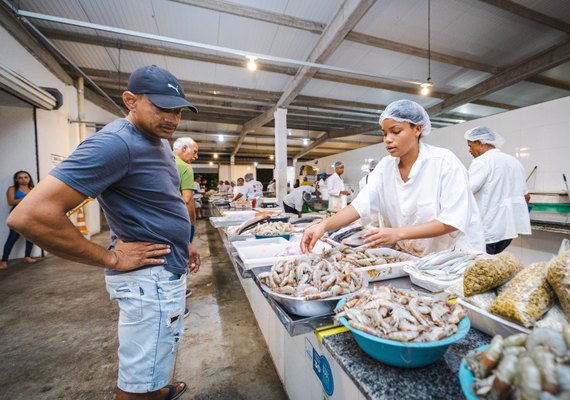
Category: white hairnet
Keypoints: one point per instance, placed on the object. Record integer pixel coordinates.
(338, 164)
(248, 176)
(484, 135)
(407, 111)
(372, 164)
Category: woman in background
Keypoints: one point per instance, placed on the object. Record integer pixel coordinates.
(23, 184)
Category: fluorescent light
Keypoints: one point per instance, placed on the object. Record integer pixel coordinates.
(215, 155)
(221, 138)
(211, 163)
(289, 133)
(305, 142)
(271, 157)
(255, 163)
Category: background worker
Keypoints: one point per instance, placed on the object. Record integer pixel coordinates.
(364, 181)
(185, 151)
(336, 189)
(420, 191)
(293, 202)
(240, 191)
(498, 182)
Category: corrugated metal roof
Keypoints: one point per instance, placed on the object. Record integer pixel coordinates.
(463, 32)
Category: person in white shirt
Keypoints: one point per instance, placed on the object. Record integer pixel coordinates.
(322, 187)
(293, 202)
(254, 188)
(336, 189)
(364, 181)
(240, 191)
(421, 191)
(271, 186)
(231, 188)
(498, 183)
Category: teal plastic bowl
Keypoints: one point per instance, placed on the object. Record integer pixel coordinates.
(466, 378)
(286, 236)
(405, 354)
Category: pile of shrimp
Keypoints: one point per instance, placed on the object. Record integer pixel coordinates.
(404, 316)
(533, 366)
(311, 277)
(357, 257)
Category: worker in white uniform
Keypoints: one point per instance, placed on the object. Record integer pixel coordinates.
(336, 189)
(498, 183)
(293, 202)
(364, 181)
(240, 191)
(421, 191)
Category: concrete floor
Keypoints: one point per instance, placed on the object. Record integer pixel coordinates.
(58, 336)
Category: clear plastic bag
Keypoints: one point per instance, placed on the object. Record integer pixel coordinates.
(488, 273)
(559, 276)
(526, 297)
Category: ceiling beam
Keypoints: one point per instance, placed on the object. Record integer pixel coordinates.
(257, 14)
(338, 134)
(547, 59)
(344, 20)
(530, 14)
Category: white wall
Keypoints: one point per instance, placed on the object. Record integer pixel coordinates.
(55, 134)
(353, 161)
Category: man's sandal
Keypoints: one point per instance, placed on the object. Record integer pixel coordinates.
(175, 390)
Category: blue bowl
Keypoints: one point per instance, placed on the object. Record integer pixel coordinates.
(466, 378)
(405, 354)
(285, 236)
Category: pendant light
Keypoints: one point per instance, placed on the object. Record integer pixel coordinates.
(428, 84)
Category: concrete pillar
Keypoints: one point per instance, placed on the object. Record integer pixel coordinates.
(280, 117)
(232, 168)
(81, 108)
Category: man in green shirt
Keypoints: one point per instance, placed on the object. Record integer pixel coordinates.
(185, 151)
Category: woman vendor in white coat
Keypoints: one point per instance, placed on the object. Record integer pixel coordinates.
(421, 191)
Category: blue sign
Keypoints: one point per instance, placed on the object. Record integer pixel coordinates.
(323, 370)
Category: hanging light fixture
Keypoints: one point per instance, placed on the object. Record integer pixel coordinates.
(255, 163)
(221, 138)
(216, 155)
(271, 157)
(251, 65)
(428, 84)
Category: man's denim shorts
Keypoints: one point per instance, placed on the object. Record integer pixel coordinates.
(151, 302)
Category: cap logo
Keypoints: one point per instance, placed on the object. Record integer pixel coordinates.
(175, 88)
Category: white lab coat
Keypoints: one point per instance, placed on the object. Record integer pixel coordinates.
(295, 198)
(254, 189)
(240, 189)
(335, 185)
(363, 182)
(498, 183)
(437, 188)
(323, 189)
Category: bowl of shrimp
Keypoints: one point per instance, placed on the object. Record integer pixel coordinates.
(402, 328)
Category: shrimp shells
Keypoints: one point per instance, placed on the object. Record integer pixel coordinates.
(404, 316)
(312, 277)
(273, 229)
(536, 366)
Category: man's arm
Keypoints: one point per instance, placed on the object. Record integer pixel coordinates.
(41, 218)
(188, 196)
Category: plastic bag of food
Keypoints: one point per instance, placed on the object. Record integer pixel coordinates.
(559, 276)
(488, 273)
(527, 296)
(481, 300)
(553, 319)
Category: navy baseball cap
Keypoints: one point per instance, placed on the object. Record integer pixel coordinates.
(160, 86)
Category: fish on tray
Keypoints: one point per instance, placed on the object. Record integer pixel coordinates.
(357, 239)
(345, 234)
(251, 223)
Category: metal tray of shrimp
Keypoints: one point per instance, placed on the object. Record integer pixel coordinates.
(298, 305)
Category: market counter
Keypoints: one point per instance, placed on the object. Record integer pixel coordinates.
(336, 368)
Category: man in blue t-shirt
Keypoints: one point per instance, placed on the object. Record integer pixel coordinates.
(130, 168)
